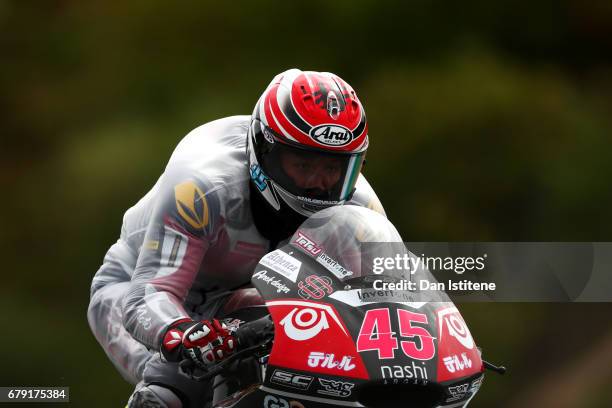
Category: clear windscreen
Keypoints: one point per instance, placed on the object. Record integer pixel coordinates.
(363, 249)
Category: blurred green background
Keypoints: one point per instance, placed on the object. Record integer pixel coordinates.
(488, 121)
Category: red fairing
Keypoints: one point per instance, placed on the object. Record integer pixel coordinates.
(458, 355)
(310, 336)
(300, 108)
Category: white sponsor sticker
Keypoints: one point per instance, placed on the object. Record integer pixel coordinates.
(282, 263)
(333, 266)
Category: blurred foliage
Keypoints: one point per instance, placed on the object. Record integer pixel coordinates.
(488, 121)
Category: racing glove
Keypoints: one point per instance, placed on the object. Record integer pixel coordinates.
(204, 342)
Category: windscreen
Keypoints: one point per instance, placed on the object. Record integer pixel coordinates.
(363, 249)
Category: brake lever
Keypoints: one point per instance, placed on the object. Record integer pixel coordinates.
(250, 335)
(187, 365)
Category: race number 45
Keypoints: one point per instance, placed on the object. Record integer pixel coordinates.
(376, 334)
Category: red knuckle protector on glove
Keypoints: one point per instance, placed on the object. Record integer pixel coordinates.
(171, 347)
(203, 342)
(172, 339)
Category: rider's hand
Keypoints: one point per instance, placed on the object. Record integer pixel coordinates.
(204, 342)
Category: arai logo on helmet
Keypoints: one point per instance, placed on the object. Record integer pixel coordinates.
(331, 135)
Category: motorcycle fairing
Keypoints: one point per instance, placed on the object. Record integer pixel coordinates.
(319, 336)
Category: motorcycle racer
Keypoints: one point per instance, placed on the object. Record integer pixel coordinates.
(232, 190)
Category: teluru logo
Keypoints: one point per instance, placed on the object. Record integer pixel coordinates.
(331, 135)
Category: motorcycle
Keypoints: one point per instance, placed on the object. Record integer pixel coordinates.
(325, 337)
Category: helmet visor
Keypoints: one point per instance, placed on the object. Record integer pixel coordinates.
(312, 176)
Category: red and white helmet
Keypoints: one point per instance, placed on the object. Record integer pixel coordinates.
(307, 141)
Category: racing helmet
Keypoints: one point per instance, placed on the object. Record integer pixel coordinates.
(307, 141)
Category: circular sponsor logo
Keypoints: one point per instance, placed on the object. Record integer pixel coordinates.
(305, 324)
(331, 135)
(458, 329)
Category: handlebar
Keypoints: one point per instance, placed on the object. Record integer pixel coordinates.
(252, 337)
(255, 332)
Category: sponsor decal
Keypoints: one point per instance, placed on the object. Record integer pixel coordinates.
(293, 380)
(335, 388)
(457, 392)
(272, 281)
(331, 135)
(373, 295)
(452, 320)
(191, 204)
(333, 266)
(152, 245)
(353, 298)
(325, 360)
(304, 324)
(259, 177)
(232, 324)
(475, 386)
(316, 201)
(307, 244)
(413, 372)
(143, 317)
(455, 363)
(306, 319)
(282, 263)
(272, 401)
(457, 353)
(315, 287)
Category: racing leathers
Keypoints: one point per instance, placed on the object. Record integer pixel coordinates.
(191, 237)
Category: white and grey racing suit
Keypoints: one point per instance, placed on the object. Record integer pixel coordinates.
(192, 236)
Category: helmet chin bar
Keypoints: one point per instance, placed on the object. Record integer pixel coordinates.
(273, 193)
(299, 205)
